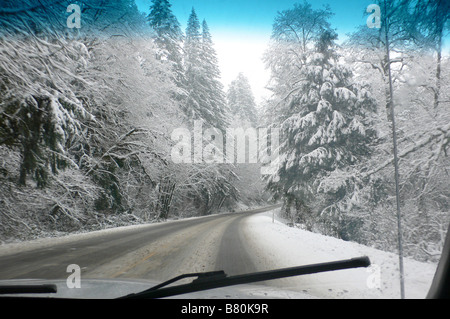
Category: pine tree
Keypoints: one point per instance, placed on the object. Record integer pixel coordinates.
(215, 90)
(192, 51)
(326, 132)
(168, 35)
(206, 99)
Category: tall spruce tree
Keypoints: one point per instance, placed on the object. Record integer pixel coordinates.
(216, 99)
(324, 133)
(206, 99)
(192, 65)
(168, 36)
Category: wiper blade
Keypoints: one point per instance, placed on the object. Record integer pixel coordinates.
(28, 289)
(218, 279)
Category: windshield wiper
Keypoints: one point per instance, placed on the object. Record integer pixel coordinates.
(28, 289)
(218, 279)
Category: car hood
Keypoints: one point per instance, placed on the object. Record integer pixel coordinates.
(115, 288)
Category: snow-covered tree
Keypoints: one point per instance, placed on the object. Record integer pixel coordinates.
(369, 45)
(433, 24)
(215, 96)
(193, 69)
(324, 116)
(40, 109)
(69, 104)
(168, 35)
(206, 99)
(241, 101)
(415, 32)
(87, 115)
(294, 34)
(244, 115)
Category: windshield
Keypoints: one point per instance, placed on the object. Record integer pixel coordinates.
(148, 139)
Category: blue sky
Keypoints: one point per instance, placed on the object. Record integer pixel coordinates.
(241, 30)
(256, 16)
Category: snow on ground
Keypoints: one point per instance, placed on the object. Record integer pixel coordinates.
(276, 245)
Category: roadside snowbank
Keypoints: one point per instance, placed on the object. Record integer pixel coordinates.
(276, 245)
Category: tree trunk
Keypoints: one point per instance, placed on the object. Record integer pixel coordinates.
(437, 90)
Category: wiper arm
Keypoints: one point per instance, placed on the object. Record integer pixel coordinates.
(28, 289)
(218, 279)
(200, 276)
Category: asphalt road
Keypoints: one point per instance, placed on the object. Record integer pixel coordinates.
(155, 251)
